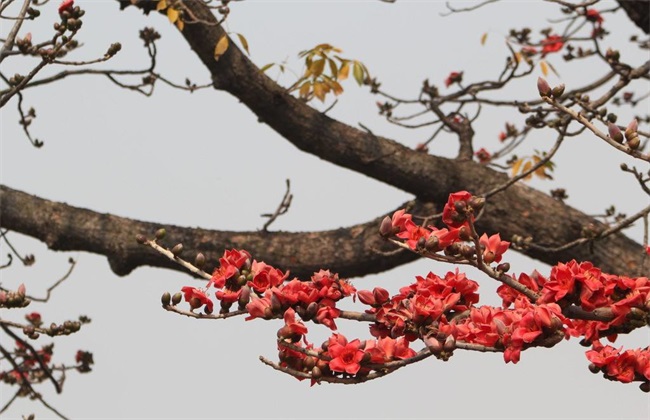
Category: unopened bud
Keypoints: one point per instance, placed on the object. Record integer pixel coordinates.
(645, 387)
(309, 362)
(276, 305)
(311, 311)
(615, 133)
(113, 49)
(166, 298)
(450, 344)
(433, 344)
(244, 297)
(176, 298)
(432, 244)
(316, 373)
(160, 234)
(593, 368)
(141, 239)
(634, 142)
(503, 267)
(557, 91)
(177, 249)
(477, 203)
(199, 261)
(631, 128)
(463, 233)
(543, 87)
(386, 227)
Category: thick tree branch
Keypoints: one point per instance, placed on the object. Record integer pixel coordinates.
(517, 211)
(352, 251)
(638, 11)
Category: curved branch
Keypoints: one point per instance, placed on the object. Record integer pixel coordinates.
(517, 211)
(352, 251)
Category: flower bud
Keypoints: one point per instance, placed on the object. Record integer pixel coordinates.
(244, 297)
(477, 203)
(557, 91)
(316, 373)
(503, 267)
(433, 345)
(195, 303)
(160, 234)
(199, 261)
(176, 299)
(593, 368)
(634, 142)
(276, 305)
(309, 362)
(166, 299)
(386, 227)
(450, 344)
(311, 311)
(177, 249)
(141, 239)
(645, 387)
(615, 133)
(432, 244)
(631, 129)
(543, 87)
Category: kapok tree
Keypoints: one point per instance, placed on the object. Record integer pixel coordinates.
(485, 209)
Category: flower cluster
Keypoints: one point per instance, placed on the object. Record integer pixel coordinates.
(625, 367)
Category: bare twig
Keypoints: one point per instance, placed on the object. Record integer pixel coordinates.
(283, 207)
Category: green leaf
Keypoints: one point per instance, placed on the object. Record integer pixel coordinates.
(357, 71)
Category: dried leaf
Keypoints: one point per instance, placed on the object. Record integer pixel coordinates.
(221, 47)
(357, 71)
(319, 91)
(172, 14)
(266, 67)
(316, 68)
(305, 89)
(333, 68)
(516, 166)
(180, 24)
(544, 67)
(344, 71)
(484, 38)
(244, 43)
(162, 5)
(526, 168)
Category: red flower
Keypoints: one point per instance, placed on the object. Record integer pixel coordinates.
(553, 43)
(292, 328)
(326, 313)
(259, 308)
(483, 155)
(346, 357)
(592, 15)
(503, 136)
(34, 318)
(454, 77)
(494, 248)
(265, 277)
(452, 214)
(66, 5)
(197, 298)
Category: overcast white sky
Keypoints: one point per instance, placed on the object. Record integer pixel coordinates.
(202, 159)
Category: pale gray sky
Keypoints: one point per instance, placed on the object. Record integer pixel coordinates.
(202, 159)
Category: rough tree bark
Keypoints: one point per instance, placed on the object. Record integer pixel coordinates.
(351, 251)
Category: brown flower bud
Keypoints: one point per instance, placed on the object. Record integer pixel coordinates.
(386, 227)
(160, 234)
(199, 261)
(631, 129)
(543, 87)
(557, 91)
(433, 345)
(615, 133)
(166, 299)
(176, 298)
(177, 249)
(634, 142)
(141, 239)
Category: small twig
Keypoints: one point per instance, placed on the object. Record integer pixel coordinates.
(283, 207)
(73, 263)
(27, 260)
(190, 314)
(167, 253)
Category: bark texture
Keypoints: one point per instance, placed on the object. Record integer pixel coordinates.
(351, 251)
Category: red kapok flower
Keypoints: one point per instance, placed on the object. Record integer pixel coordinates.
(552, 43)
(592, 15)
(197, 298)
(66, 5)
(452, 214)
(494, 248)
(483, 155)
(454, 77)
(346, 357)
(503, 136)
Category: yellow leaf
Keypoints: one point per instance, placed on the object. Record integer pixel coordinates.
(484, 38)
(162, 5)
(244, 43)
(336, 86)
(544, 67)
(172, 14)
(516, 166)
(180, 24)
(316, 68)
(518, 57)
(344, 71)
(319, 91)
(357, 71)
(304, 89)
(221, 47)
(333, 69)
(527, 167)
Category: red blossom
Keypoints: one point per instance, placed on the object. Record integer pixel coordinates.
(502, 136)
(593, 15)
(66, 5)
(494, 248)
(551, 44)
(197, 298)
(346, 357)
(326, 313)
(259, 308)
(483, 156)
(452, 214)
(454, 77)
(265, 277)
